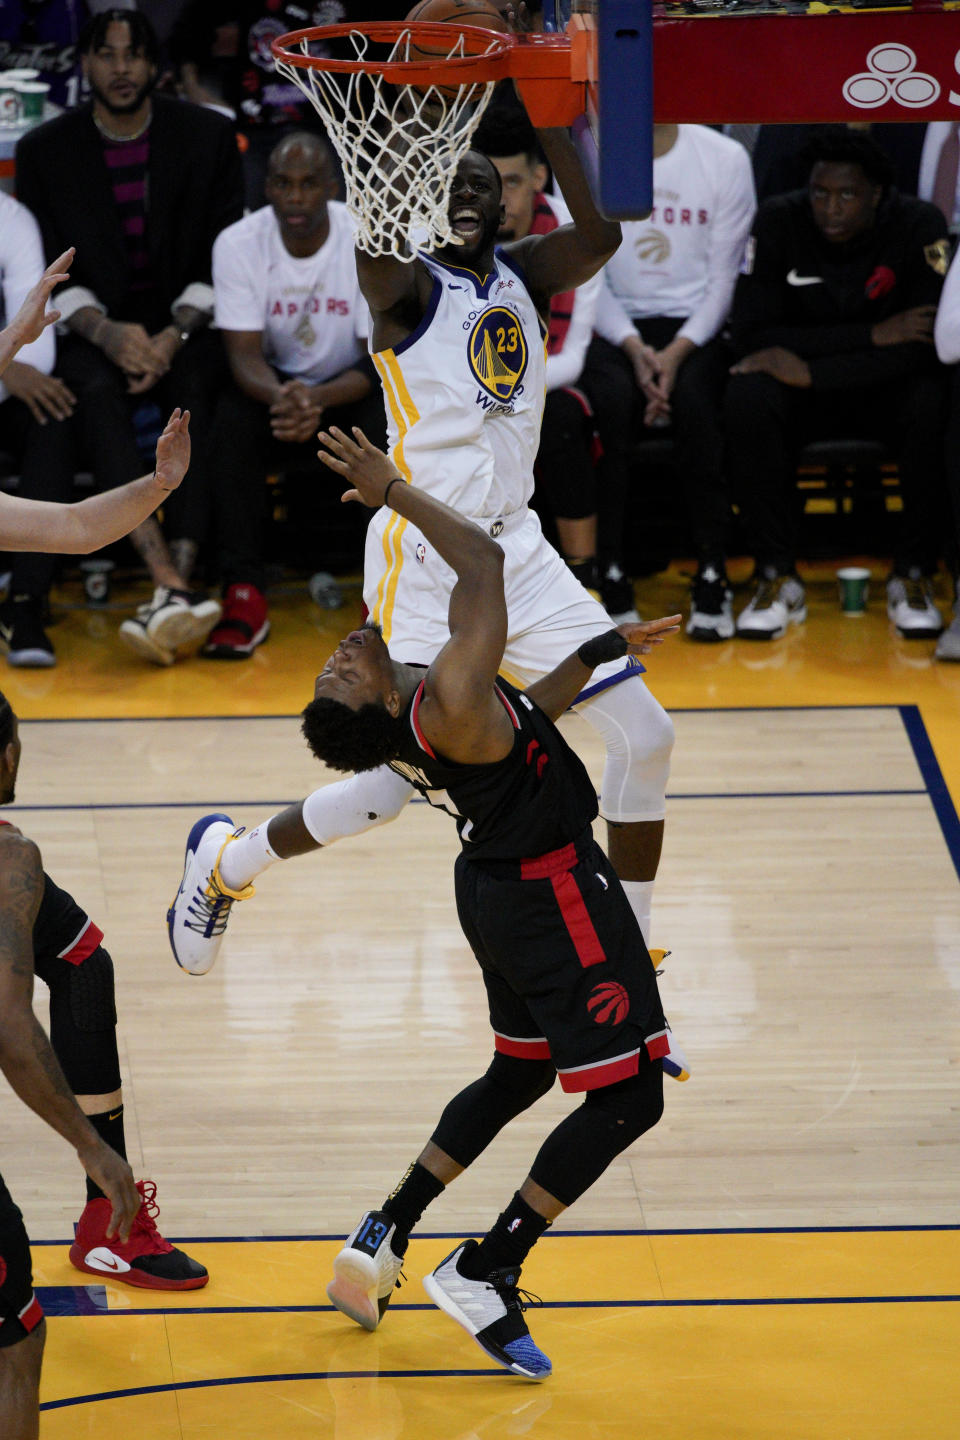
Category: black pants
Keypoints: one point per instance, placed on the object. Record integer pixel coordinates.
(608, 380)
(952, 456)
(245, 452)
(768, 422)
(44, 456)
(565, 466)
(101, 434)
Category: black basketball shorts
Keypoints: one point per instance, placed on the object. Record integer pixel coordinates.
(20, 1310)
(567, 974)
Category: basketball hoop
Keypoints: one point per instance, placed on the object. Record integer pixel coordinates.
(400, 114)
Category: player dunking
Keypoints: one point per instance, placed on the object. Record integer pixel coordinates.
(458, 342)
(569, 983)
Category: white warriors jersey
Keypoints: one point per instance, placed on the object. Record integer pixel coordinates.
(464, 392)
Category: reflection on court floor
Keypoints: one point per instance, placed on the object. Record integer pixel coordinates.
(778, 1260)
(787, 1333)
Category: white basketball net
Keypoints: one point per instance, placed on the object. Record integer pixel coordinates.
(399, 146)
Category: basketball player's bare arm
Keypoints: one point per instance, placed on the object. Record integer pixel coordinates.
(33, 317)
(26, 1056)
(101, 519)
(556, 692)
(460, 713)
(397, 295)
(569, 256)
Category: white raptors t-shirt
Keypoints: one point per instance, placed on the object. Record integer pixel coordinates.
(310, 310)
(684, 260)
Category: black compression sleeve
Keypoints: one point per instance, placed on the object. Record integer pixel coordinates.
(609, 646)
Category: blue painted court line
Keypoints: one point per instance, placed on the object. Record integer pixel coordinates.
(940, 798)
(231, 805)
(276, 1379)
(196, 719)
(733, 1301)
(553, 1236)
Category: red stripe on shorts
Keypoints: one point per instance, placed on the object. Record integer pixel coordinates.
(577, 920)
(86, 942)
(604, 1072)
(31, 1314)
(521, 1049)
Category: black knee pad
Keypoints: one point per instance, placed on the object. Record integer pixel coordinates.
(630, 1107)
(83, 1020)
(526, 1080)
(475, 1116)
(578, 1151)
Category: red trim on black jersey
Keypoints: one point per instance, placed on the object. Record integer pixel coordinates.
(602, 1072)
(422, 740)
(521, 1048)
(576, 917)
(85, 943)
(508, 707)
(31, 1314)
(658, 1045)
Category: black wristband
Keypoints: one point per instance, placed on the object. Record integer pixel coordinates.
(609, 646)
(397, 480)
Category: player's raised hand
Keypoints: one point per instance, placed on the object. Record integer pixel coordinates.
(358, 460)
(643, 635)
(173, 451)
(33, 317)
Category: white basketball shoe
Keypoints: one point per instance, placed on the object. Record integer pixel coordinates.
(491, 1310)
(366, 1271)
(201, 908)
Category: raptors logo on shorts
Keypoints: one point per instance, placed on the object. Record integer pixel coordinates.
(498, 352)
(609, 1003)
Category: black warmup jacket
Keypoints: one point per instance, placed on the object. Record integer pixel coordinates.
(820, 300)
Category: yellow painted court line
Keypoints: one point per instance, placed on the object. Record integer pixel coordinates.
(589, 1268)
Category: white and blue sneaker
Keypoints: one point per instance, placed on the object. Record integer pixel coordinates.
(201, 908)
(491, 1310)
(366, 1271)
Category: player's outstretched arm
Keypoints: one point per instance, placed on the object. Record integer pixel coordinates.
(460, 712)
(33, 317)
(556, 692)
(26, 1056)
(567, 257)
(101, 519)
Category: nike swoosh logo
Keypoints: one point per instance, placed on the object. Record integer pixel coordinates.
(116, 1115)
(110, 1264)
(794, 279)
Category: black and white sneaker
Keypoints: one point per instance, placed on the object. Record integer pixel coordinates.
(910, 606)
(367, 1271)
(491, 1310)
(711, 606)
(22, 634)
(778, 602)
(170, 619)
(616, 594)
(948, 646)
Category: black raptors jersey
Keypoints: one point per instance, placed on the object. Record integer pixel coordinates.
(537, 799)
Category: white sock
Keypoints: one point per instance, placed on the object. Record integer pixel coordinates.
(246, 857)
(640, 895)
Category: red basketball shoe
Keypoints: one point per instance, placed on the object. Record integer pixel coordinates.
(146, 1259)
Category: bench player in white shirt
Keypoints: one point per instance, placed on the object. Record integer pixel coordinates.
(458, 341)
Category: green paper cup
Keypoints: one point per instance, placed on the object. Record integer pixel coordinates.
(853, 582)
(33, 94)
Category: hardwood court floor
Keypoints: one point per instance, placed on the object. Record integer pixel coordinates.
(780, 1258)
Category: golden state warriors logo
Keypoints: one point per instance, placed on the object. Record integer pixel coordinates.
(498, 352)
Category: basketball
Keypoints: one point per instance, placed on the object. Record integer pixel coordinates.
(453, 12)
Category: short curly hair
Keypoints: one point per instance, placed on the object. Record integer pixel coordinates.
(351, 740)
(839, 145)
